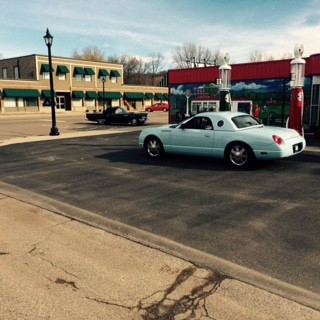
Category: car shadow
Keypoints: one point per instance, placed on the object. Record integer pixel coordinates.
(139, 157)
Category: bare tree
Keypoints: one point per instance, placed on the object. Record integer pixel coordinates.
(113, 59)
(218, 57)
(135, 70)
(286, 55)
(255, 56)
(154, 65)
(258, 56)
(90, 53)
(130, 68)
(189, 55)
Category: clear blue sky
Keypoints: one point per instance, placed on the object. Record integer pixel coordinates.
(140, 27)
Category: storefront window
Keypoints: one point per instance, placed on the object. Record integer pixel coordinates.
(46, 75)
(62, 76)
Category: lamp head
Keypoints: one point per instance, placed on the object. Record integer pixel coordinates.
(48, 38)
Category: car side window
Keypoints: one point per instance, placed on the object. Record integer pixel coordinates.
(202, 123)
(220, 123)
(205, 123)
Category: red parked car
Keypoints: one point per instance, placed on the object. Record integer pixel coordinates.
(158, 107)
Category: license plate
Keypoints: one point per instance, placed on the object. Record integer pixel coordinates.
(297, 147)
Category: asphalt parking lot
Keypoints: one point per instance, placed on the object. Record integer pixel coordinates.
(237, 216)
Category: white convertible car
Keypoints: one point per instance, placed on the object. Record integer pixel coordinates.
(235, 136)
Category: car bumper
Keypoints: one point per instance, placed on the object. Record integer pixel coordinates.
(290, 150)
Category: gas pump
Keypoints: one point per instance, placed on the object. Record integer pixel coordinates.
(224, 84)
(296, 84)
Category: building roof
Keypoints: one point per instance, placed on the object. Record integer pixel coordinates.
(245, 71)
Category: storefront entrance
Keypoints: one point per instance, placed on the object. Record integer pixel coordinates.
(63, 101)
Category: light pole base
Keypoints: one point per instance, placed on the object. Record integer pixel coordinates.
(54, 131)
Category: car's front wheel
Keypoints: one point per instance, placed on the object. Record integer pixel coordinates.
(153, 147)
(239, 155)
(134, 122)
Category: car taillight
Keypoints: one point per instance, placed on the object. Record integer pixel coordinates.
(278, 140)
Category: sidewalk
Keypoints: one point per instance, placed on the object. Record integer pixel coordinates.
(56, 266)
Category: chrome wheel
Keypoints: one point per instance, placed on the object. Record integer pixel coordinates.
(134, 122)
(239, 155)
(154, 147)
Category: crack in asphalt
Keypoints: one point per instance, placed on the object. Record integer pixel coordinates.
(35, 251)
(173, 304)
(67, 283)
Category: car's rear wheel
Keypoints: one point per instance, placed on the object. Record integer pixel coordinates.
(153, 147)
(239, 155)
(134, 122)
(164, 109)
(149, 110)
(101, 121)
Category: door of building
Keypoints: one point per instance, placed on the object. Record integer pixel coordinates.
(60, 102)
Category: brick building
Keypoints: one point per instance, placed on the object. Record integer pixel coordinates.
(79, 85)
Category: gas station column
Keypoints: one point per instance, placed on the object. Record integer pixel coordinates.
(296, 84)
(224, 83)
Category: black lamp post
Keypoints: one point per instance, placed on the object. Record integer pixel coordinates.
(103, 79)
(48, 38)
(103, 92)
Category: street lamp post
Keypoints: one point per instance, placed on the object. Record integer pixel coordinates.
(48, 38)
(103, 92)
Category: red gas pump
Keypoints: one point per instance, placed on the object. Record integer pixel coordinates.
(256, 113)
(296, 84)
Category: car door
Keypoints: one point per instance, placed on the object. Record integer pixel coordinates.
(157, 107)
(194, 137)
(121, 116)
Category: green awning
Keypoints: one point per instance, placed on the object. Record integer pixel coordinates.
(21, 93)
(103, 73)
(114, 73)
(149, 96)
(134, 96)
(46, 68)
(110, 95)
(78, 70)
(91, 95)
(89, 71)
(166, 96)
(159, 96)
(78, 94)
(46, 94)
(63, 69)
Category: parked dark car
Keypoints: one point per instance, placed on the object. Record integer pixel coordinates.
(118, 115)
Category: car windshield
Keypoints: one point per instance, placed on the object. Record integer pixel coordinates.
(244, 121)
(179, 123)
(121, 110)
